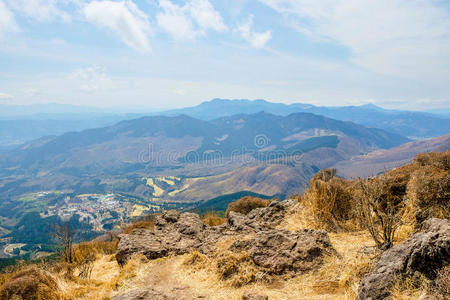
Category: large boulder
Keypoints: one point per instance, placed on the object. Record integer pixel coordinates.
(174, 233)
(272, 215)
(282, 251)
(424, 252)
(279, 251)
(260, 218)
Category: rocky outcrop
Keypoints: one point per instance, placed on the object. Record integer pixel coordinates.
(174, 233)
(259, 218)
(275, 251)
(272, 215)
(285, 252)
(425, 252)
(179, 233)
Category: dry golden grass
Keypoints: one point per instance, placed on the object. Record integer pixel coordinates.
(406, 196)
(107, 280)
(412, 288)
(421, 287)
(246, 204)
(428, 193)
(224, 276)
(30, 283)
(96, 248)
(338, 278)
(329, 202)
(440, 160)
(213, 219)
(147, 224)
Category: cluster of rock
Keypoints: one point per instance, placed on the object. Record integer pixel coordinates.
(275, 250)
(423, 253)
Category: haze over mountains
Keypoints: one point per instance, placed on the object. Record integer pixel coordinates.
(19, 124)
(22, 123)
(407, 123)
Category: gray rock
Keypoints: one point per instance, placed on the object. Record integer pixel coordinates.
(251, 295)
(426, 252)
(286, 252)
(174, 233)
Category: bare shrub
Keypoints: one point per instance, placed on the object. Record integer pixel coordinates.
(246, 204)
(379, 207)
(30, 283)
(85, 254)
(329, 200)
(64, 234)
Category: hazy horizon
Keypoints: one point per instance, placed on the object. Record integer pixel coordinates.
(150, 109)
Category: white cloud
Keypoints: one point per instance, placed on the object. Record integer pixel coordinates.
(175, 21)
(7, 21)
(407, 38)
(205, 15)
(91, 79)
(5, 96)
(40, 10)
(257, 40)
(178, 21)
(123, 18)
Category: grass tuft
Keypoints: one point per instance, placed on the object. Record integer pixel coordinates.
(246, 204)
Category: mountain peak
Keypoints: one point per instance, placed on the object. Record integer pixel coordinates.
(371, 106)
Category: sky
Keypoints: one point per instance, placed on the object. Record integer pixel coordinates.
(161, 54)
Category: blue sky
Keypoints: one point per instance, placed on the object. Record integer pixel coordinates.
(173, 53)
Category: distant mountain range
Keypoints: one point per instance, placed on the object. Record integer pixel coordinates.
(407, 123)
(21, 123)
(189, 140)
(16, 132)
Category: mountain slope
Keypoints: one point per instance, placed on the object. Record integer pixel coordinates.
(383, 160)
(183, 139)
